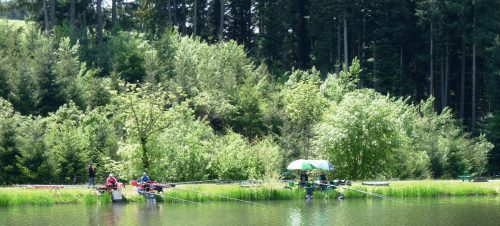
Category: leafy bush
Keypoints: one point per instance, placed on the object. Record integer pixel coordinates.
(360, 136)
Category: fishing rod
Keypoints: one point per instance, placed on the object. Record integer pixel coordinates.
(184, 200)
(206, 193)
(368, 193)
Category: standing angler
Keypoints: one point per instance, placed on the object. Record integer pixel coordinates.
(91, 176)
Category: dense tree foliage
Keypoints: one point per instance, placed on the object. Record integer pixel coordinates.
(374, 86)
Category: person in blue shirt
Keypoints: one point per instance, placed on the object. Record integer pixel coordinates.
(144, 178)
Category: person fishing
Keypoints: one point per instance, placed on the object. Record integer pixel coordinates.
(323, 182)
(145, 184)
(145, 178)
(91, 170)
(304, 178)
(111, 182)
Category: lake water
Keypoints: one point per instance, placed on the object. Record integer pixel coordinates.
(438, 211)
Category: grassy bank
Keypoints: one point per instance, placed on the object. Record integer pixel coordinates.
(426, 188)
(212, 192)
(203, 193)
(20, 196)
(15, 23)
(196, 193)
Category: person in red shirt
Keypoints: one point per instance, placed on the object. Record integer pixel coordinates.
(111, 182)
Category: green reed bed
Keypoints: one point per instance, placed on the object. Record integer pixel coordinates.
(426, 188)
(229, 192)
(20, 196)
(197, 193)
(397, 189)
(204, 193)
(14, 23)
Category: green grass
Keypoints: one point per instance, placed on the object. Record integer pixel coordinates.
(426, 188)
(204, 193)
(227, 192)
(20, 196)
(15, 23)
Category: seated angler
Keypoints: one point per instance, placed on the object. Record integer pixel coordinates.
(145, 178)
(145, 182)
(111, 182)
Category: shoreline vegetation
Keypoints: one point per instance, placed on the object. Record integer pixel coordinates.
(15, 196)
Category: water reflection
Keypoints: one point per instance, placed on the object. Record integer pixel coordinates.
(149, 214)
(92, 215)
(465, 211)
(295, 216)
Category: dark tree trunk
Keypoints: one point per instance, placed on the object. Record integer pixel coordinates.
(401, 68)
(375, 82)
(302, 34)
(100, 39)
(446, 76)
(72, 27)
(221, 22)
(174, 8)
(182, 20)
(462, 81)
(195, 18)
(441, 84)
(339, 44)
(363, 46)
(84, 25)
(431, 79)
(52, 14)
(346, 56)
(169, 13)
(474, 71)
(46, 17)
(144, 154)
(72, 13)
(284, 55)
(113, 14)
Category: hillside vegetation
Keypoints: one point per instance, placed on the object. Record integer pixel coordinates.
(182, 109)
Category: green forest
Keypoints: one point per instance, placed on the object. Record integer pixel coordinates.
(236, 89)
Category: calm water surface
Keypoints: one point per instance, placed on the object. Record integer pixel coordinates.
(442, 211)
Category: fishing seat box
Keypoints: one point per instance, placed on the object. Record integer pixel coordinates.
(116, 195)
(150, 196)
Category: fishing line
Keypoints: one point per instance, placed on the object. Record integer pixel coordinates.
(374, 194)
(194, 182)
(205, 181)
(206, 193)
(164, 196)
(366, 192)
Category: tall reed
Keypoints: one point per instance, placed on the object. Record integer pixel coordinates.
(211, 192)
(426, 188)
(20, 196)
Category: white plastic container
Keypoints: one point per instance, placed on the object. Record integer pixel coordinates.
(116, 195)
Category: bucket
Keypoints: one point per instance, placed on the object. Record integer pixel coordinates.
(133, 183)
(116, 195)
(150, 196)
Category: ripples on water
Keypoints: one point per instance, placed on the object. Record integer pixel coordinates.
(442, 211)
